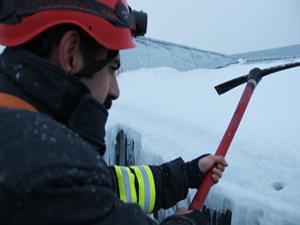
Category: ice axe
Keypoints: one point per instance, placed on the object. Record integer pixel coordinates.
(252, 79)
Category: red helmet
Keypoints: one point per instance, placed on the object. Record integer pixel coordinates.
(110, 22)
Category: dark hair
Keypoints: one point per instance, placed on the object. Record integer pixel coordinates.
(45, 43)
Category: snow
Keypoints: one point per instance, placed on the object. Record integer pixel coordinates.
(171, 114)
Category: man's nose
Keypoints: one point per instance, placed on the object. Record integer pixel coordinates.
(114, 90)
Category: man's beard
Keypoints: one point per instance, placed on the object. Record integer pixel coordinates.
(108, 102)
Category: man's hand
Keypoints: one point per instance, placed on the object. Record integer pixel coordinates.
(197, 216)
(217, 162)
(182, 211)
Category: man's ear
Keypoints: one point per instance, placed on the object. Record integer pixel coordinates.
(67, 55)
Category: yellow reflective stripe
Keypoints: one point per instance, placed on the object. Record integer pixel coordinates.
(126, 183)
(152, 188)
(146, 186)
(140, 179)
(121, 183)
(147, 192)
(132, 185)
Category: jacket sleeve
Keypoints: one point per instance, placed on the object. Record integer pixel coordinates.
(156, 187)
(135, 184)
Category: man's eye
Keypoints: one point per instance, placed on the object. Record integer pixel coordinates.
(114, 68)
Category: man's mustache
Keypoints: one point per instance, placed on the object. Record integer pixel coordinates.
(108, 102)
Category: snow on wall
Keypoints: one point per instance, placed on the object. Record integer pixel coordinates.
(172, 55)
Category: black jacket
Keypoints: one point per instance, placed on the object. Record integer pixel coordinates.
(51, 175)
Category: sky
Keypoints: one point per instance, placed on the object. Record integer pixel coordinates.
(231, 26)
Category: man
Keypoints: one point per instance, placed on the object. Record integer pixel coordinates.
(57, 80)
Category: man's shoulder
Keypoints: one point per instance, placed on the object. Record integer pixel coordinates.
(32, 142)
(22, 126)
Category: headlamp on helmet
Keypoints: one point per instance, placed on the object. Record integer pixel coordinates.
(108, 21)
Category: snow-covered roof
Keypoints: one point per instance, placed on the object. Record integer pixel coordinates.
(282, 53)
(180, 57)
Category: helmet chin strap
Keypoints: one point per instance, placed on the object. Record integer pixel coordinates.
(92, 68)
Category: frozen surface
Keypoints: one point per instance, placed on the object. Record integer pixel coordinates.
(173, 114)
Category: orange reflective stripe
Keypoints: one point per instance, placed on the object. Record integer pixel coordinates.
(10, 101)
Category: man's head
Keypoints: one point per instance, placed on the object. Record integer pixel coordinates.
(80, 37)
(73, 50)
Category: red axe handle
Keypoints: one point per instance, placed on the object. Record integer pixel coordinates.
(204, 188)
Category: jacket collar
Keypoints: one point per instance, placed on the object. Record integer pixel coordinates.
(56, 93)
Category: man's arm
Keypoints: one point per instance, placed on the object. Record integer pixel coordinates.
(156, 187)
(51, 176)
